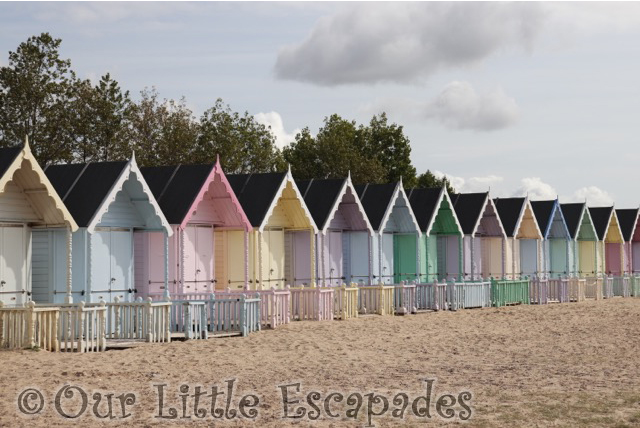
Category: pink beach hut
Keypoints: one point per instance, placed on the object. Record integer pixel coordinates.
(484, 235)
(344, 231)
(111, 203)
(628, 219)
(522, 246)
(28, 203)
(208, 249)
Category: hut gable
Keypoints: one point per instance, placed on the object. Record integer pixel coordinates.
(606, 225)
(517, 218)
(578, 221)
(388, 207)
(196, 194)
(26, 194)
(628, 219)
(272, 200)
(477, 214)
(550, 219)
(334, 204)
(434, 211)
(108, 194)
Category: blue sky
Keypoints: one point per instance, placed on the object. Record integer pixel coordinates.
(525, 98)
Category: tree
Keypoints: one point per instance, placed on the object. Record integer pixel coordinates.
(35, 94)
(161, 133)
(243, 144)
(427, 179)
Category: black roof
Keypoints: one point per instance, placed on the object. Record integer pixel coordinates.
(320, 196)
(424, 203)
(571, 214)
(256, 192)
(468, 207)
(600, 217)
(509, 210)
(543, 210)
(83, 187)
(176, 187)
(627, 221)
(375, 199)
(7, 156)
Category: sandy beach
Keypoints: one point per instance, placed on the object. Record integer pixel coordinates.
(555, 365)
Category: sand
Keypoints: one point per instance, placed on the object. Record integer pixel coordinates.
(555, 365)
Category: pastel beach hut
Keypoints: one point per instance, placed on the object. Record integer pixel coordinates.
(28, 203)
(610, 249)
(111, 203)
(396, 233)
(282, 239)
(556, 239)
(584, 240)
(441, 241)
(523, 237)
(342, 244)
(483, 236)
(628, 220)
(208, 249)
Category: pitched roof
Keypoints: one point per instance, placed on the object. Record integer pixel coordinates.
(320, 197)
(469, 208)
(176, 187)
(572, 214)
(509, 210)
(424, 203)
(543, 210)
(83, 187)
(256, 193)
(7, 156)
(600, 217)
(375, 199)
(627, 219)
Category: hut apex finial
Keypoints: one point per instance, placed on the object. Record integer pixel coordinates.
(217, 158)
(26, 142)
(289, 168)
(133, 156)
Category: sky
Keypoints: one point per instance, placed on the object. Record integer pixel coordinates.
(539, 99)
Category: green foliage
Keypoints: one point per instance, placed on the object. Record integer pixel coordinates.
(427, 179)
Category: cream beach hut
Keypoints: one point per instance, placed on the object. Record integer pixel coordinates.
(28, 203)
(394, 245)
(522, 245)
(111, 202)
(483, 235)
(282, 241)
(342, 244)
(208, 249)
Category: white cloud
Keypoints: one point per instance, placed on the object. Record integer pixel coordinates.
(274, 120)
(472, 184)
(536, 189)
(460, 106)
(407, 42)
(593, 195)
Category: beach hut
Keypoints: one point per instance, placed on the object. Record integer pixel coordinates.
(209, 245)
(610, 249)
(483, 236)
(342, 244)
(111, 202)
(584, 240)
(522, 245)
(556, 239)
(28, 202)
(282, 239)
(628, 220)
(441, 240)
(394, 245)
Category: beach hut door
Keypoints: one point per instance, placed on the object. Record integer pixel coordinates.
(386, 273)
(12, 260)
(112, 262)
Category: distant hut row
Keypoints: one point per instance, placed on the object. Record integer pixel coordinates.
(97, 231)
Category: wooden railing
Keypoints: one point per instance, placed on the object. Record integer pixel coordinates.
(312, 303)
(558, 290)
(29, 327)
(635, 285)
(139, 320)
(432, 296)
(469, 294)
(345, 302)
(375, 299)
(577, 289)
(509, 292)
(538, 291)
(404, 298)
(189, 317)
(607, 287)
(594, 288)
(621, 286)
(82, 327)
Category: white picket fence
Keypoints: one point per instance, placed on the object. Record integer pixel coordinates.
(139, 320)
(558, 290)
(577, 289)
(538, 291)
(376, 299)
(29, 327)
(312, 303)
(621, 286)
(404, 298)
(453, 295)
(345, 302)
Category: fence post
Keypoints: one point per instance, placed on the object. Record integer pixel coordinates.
(117, 316)
(186, 320)
(204, 330)
(80, 328)
(102, 339)
(31, 326)
(451, 296)
(148, 317)
(243, 314)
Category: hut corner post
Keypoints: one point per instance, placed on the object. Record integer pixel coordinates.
(69, 297)
(313, 257)
(166, 265)
(246, 259)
